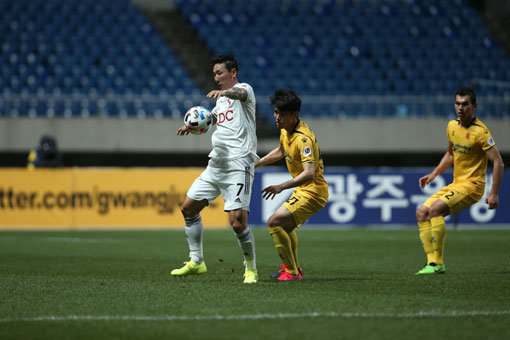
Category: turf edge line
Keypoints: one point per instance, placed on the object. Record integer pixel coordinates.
(423, 314)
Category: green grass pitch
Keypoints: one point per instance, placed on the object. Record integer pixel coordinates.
(358, 284)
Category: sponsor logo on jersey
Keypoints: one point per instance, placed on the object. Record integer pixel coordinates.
(491, 141)
(307, 151)
(467, 135)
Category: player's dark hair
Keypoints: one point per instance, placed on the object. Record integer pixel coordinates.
(286, 100)
(229, 60)
(467, 91)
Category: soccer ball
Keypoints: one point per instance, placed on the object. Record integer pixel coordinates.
(198, 120)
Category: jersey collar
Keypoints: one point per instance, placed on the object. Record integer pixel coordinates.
(295, 127)
(470, 123)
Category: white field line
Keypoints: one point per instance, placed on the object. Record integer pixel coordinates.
(423, 314)
(79, 239)
(61, 239)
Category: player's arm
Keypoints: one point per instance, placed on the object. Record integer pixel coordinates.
(274, 155)
(307, 175)
(497, 176)
(236, 93)
(183, 130)
(444, 164)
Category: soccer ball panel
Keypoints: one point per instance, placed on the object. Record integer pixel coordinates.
(198, 120)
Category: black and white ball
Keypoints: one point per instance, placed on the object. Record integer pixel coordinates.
(198, 120)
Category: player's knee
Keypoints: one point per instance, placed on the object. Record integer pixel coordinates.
(238, 226)
(188, 211)
(272, 222)
(422, 214)
(435, 211)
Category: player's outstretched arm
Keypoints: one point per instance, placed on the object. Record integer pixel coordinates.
(235, 93)
(307, 175)
(497, 176)
(274, 155)
(444, 164)
(182, 131)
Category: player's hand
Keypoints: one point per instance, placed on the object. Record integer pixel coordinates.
(426, 180)
(271, 191)
(183, 130)
(492, 201)
(215, 94)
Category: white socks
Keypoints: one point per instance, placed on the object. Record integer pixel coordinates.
(247, 244)
(194, 230)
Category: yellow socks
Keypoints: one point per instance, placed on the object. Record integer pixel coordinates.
(282, 242)
(438, 231)
(426, 239)
(293, 244)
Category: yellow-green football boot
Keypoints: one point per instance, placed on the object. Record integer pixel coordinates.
(190, 268)
(250, 276)
(432, 268)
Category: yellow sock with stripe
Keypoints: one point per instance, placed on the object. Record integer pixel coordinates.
(425, 229)
(294, 244)
(283, 246)
(438, 232)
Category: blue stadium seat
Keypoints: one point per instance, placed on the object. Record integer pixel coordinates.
(101, 51)
(377, 48)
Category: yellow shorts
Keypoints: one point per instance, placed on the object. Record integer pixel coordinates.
(303, 205)
(458, 196)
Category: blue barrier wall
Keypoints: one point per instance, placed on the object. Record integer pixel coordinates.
(380, 196)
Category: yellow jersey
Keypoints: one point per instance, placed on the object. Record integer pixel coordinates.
(469, 145)
(301, 147)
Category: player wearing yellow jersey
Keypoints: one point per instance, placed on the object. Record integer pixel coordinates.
(299, 147)
(470, 145)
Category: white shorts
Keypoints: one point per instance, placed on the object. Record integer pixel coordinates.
(231, 178)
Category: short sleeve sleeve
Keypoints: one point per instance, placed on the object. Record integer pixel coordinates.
(249, 90)
(486, 140)
(305, 146)
(449, 131)
(214, 112)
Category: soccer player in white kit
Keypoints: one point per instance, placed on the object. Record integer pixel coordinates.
(229, 171)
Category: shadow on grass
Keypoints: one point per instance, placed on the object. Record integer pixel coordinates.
(319, 279)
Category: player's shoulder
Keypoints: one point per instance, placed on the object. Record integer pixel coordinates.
(480, 129)
(454, 122)
(477, 123)
(305, 132)
(245, 86)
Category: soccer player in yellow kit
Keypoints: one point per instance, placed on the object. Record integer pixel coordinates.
(470, 145)
(299, 147)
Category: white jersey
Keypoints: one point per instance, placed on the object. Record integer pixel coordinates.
(235, 134)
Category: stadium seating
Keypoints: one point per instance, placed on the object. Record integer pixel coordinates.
(87, 58)
(400, 48)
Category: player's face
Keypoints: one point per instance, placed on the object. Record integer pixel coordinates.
(285, 119)
(224, 78)
(464, 108)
